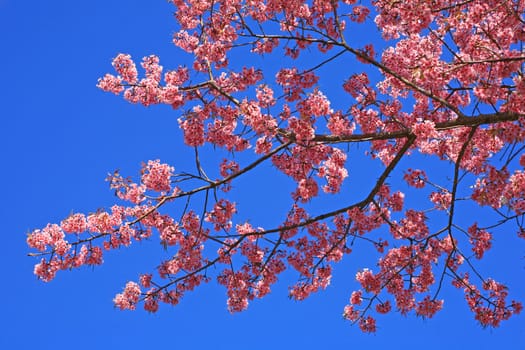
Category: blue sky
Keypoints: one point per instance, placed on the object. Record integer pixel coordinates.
(60, 138)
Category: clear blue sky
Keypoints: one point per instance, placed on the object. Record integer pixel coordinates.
(60, 136)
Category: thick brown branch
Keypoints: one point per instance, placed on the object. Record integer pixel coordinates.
(478, 120)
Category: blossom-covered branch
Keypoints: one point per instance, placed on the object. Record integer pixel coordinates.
(443, 79)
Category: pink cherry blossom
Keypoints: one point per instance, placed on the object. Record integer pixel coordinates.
(75, 223)
(111, 83)
(400, 142)
(129, 297)
(156, 176)
(126, 68)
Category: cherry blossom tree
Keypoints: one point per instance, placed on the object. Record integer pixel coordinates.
(443, 81)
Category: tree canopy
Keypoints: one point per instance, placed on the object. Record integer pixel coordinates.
(296, 87)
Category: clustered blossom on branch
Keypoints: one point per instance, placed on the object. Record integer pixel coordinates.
(451, 89)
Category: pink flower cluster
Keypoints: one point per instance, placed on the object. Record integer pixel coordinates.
(393, 201)
(75, 223)
(441, 200)
(480, 240)
(359, 13)
(148, 90)
(334, 171)
(404, 273)
(316, 105)
(320, 280)
(498, 188)
(306, 190)
(294, 82)
(157, 176)
(125, 189)
(302, 128)
(255, 119)
(64, 255)
(128, 299)
(64, 259)
(415, 177)
(126, 68)
(193, 127)
(339, 125)
(491, 310)
(221, 215)
(52, 235)
(111, 83)
(265, 96)
(358, 87)
(412, 226)
(515, 192)
(238, 289)
(428, 307)
(425, 129)
(369, 282)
